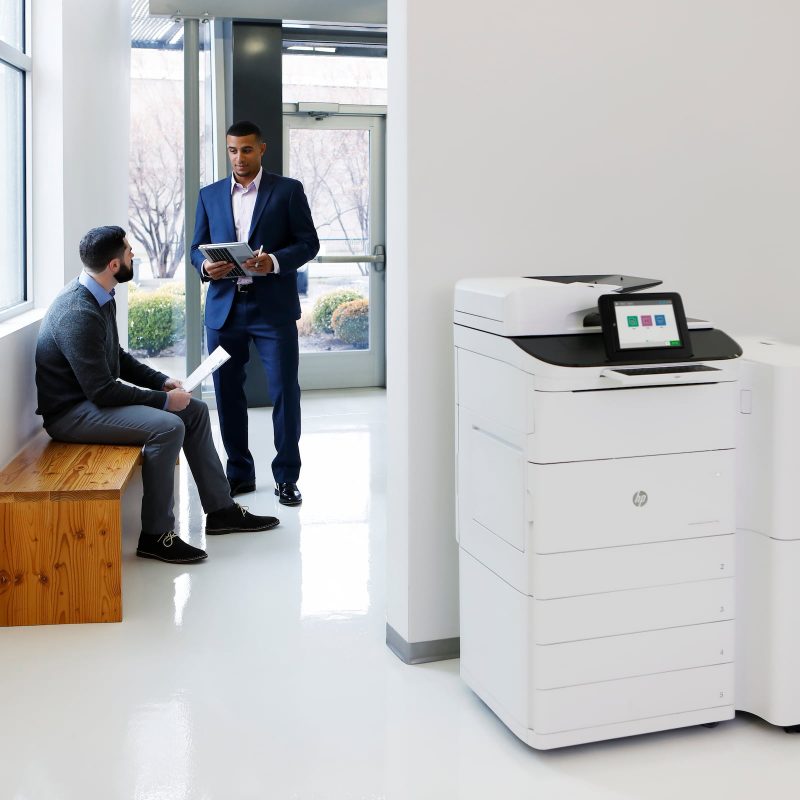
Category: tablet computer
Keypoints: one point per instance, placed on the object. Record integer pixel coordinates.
(234, 252)
(644, 326)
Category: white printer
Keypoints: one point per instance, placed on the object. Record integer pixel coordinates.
(595, 507)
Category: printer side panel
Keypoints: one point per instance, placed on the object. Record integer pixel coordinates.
(768, 534)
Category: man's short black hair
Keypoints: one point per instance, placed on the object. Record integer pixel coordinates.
(245, 128)
(101, 245)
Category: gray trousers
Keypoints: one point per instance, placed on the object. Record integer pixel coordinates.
(162, 434)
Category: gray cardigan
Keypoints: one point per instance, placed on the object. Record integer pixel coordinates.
(78, 358)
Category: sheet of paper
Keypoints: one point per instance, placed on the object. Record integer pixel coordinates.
(213, 362)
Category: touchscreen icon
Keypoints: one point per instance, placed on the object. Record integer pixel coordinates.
(647, 321)
(633, 322)
(661, 319)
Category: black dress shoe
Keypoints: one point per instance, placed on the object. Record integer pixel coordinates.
(237, 519)
(170, 548)
(241, 487)
(288, 494)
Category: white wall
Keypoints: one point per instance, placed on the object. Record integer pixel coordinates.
(81, 122)
(18, 401)
(650, 138)
(79, 163)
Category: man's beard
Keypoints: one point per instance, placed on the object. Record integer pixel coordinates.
(124, 273)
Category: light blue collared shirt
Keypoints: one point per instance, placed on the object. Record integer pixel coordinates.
(98, 292)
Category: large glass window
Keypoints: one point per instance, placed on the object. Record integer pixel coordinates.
(12, 19)
(156, 304)
(14, 65)
(157, 295)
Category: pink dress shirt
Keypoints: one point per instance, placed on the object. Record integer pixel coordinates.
(243, 200)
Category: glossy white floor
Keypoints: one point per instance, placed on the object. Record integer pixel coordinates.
(263, 673)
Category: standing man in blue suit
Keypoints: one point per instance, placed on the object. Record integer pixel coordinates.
(271, 213)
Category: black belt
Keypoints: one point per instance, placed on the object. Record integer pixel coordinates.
(243, 288)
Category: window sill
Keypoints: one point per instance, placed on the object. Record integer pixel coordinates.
(15, 324)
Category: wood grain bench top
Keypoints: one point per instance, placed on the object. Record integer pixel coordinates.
(47, 470)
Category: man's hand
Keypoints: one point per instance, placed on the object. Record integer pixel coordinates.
(172, 383)
(177, 399)
(261, 265)
(217, 269)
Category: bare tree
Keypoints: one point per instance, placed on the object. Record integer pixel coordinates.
(156, 204)
(334, 168)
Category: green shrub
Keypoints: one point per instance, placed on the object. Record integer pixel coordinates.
(327, 304)
(350, 322)
(173, 289)
(156, 320)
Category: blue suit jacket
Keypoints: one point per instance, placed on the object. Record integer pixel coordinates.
(281, 224)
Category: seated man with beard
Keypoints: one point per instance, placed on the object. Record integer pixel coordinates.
(79, 364)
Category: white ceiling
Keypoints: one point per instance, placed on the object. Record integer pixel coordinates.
(360, 12)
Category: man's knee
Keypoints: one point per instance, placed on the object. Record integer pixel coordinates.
(198, 406)
(168, 427)
(195, 416)
(196, 410)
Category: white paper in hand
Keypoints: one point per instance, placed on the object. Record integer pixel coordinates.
(212, 363)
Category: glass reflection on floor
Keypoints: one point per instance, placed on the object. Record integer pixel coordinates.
(183, 590)
(334, 535)
(335, 560)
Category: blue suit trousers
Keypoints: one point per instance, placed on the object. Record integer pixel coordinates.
(278, 349)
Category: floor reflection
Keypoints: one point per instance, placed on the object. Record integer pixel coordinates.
(335, 563)
(160, 738)
(183, 590)
(334, 533)
(336, 475)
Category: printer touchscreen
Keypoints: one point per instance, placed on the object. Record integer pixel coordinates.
(646, 323)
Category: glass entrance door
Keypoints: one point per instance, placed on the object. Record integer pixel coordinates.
(340, 161)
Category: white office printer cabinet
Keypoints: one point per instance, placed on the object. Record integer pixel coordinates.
(595, 524)
(768, 533)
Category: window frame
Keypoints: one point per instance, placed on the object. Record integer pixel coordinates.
(21, 61)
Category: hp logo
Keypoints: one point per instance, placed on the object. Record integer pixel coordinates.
(639, 498)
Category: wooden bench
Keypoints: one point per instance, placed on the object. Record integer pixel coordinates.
(61, 533)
